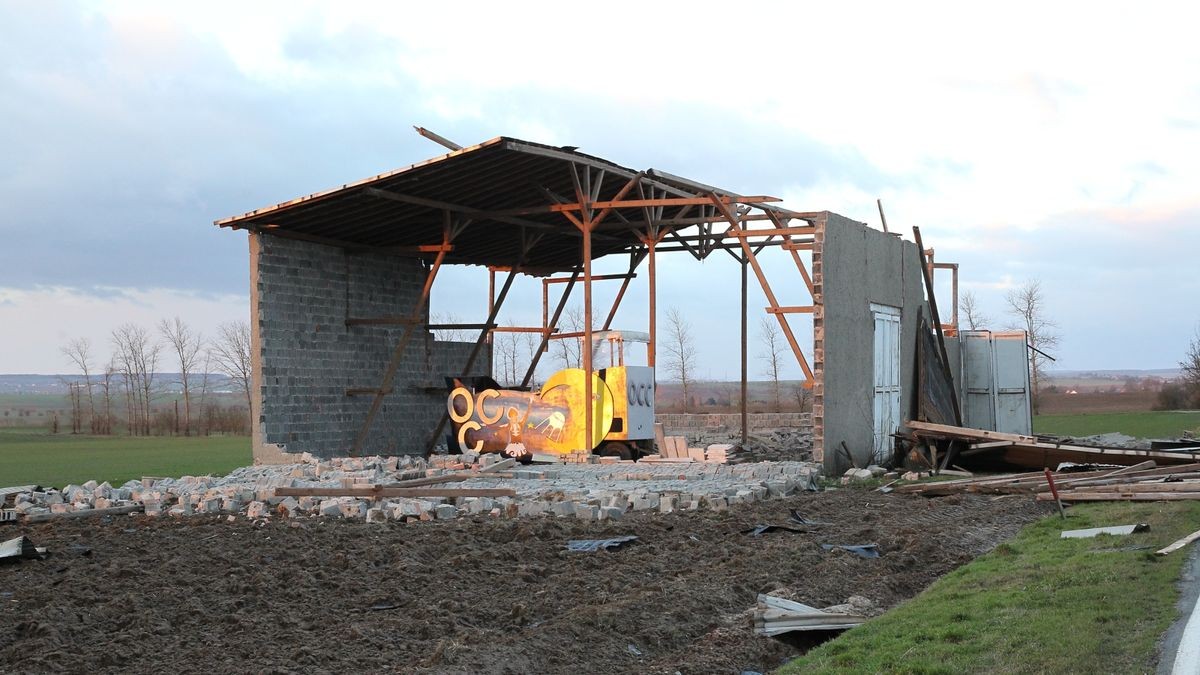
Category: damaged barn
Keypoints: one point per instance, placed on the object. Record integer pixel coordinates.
(347, 361)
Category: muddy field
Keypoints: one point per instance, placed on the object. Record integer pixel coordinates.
(471, 596)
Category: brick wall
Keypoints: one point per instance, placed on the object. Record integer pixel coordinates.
(306, 356)
(681, 421)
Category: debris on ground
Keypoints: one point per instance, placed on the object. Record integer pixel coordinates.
(20, 548)
(380, 489)
(497, 594)
(1176, 545)
(860, 550)
(593, 545)
(1145, 481)
(1088, 533)
(987, 448)
(775, 616)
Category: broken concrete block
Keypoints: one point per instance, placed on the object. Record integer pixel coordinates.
(255, 510)
(446, 512)
(876, 470)
(376, 514)
(611, 513)
(353, 508)
(330, 508)
(287, 507)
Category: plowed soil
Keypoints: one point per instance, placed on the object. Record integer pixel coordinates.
(466, 596)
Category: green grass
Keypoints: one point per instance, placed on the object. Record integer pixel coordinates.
(33, 455)
(1156, 424)
(1036, 604)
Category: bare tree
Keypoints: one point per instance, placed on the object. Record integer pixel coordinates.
(449, 334)
(204, 392)
(976, 319)
(186, 343)
(508, 364)
(803, 396)
(79, 351)
(681, 353)
(1028, 306)
(1190, 369)
(569, 351)
(772, 357)
(138, 354)
(106, 384)
(231, 352)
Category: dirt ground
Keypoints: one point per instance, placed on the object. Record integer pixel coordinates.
(466, 596)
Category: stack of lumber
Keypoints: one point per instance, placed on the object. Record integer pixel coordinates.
(1140, 482)
(1035, 452)
(674, 449)
(774, 616)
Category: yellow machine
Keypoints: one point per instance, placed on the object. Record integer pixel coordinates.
(486, 417)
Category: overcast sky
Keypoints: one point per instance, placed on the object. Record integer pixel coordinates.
(1058, 142)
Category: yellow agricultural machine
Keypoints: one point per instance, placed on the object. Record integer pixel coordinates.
(486, 417)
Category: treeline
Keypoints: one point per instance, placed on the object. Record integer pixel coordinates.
(120, 393)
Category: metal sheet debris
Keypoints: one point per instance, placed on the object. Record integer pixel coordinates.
(860, 550)
(593, 545)
(1093, 531)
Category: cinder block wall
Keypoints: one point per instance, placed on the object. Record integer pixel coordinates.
(854, 266)
(306, 357)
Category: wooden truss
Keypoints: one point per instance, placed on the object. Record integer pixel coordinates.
(724, 222)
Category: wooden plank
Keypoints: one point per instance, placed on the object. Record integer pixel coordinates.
(1178, 544)
(380, 491)
(1122, 497)
(113, 511)
(499, 466)
(431, 480)
(966, 433)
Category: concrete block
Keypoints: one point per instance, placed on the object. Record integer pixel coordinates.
(287, 506)
(610, 513)
(446, 512)
(255, 510)
(376, 514)
(353, 508)
(330, 508)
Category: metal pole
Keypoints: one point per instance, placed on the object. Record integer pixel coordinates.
(587, 335)
(650, 346)
(745, 416)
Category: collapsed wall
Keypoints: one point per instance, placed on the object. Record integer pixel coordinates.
(860, 274)
(305, 357)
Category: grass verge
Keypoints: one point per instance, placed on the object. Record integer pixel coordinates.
(1036, 604)
(30, 456)
(1146, 424)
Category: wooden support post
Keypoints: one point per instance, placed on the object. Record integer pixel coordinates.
(651, 241)
(745, 342)
(587, 336)
(762, 280)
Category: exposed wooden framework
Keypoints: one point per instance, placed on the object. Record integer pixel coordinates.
(603, 205)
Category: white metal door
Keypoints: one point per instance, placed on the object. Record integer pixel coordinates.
(887, 378)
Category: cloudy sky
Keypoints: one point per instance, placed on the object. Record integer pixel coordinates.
(1057, 142)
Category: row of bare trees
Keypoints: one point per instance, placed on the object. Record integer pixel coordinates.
(131, 375)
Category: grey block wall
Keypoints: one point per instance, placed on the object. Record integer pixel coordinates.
(306, 356)
(854, 266)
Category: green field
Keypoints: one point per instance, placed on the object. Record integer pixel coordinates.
(29, 456)
(1146, 424)
(1037, 604)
